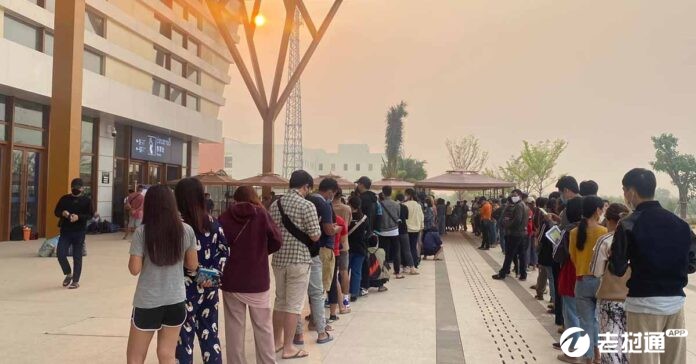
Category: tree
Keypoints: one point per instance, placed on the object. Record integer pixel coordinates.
(408, 169)
(681, 168)
(517, 171)
(394, 138)
(465, 154)
(540, 159)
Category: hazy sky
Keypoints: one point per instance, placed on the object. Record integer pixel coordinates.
(604, 75)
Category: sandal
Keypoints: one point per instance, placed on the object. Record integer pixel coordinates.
(333, 318)
(325, 340)
(299, 354)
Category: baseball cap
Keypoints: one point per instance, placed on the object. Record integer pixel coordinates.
(365, 181)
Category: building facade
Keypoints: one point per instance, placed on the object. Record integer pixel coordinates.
(350, 161)
(154, 76)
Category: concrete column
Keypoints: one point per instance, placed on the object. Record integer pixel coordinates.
(194, 158)
(65, 123)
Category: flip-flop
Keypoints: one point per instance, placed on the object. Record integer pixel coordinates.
(299, 354)
(325, 340)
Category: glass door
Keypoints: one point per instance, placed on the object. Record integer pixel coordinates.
(24, 187)
(154, 175)
(136, 175)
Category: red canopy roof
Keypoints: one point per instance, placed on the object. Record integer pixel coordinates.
(392, 182)
(265, 180)
(463, 180)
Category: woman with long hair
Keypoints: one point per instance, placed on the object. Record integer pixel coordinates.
(201, 297)
(612, 291)
(161, 247)
(253, 236)
(581, 245)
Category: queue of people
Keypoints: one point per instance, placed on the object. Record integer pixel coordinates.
(611, 268)
(323, 247)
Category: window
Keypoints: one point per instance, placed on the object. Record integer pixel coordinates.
(2, 118)
(28, 113)
(94, 23)
(193, 74)
(357, 167)
(229, 162)
(321, 166)
(48, 43)
(161, 57)
(22, 33)
(29, 123)
(160, 88)
(333, 167)
(176, 66)
(345, 167)
(193, 102)
(370, 167)
(88, 153)
(165, 28)
(176, 95)
(193, 47)
(178, 37)
(93, 62)
(87, 145)
(194, 19)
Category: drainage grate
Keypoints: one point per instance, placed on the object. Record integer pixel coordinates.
(511, 345)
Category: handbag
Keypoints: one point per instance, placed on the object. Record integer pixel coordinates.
(297, 233)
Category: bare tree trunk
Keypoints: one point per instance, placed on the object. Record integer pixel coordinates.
(683, 202)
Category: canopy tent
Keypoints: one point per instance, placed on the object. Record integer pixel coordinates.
(393, 183)
(464, 180)
(219, 178)
(265, 180)
(342, 182)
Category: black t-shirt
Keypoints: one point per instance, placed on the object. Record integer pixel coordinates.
(78, 205)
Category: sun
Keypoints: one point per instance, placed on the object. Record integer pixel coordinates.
(260, 20)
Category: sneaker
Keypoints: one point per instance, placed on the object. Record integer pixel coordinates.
(67, 280)
(74, 285)
(522, 279)
(498, 276)
(363, 292)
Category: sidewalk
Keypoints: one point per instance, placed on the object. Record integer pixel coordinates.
(452, 313)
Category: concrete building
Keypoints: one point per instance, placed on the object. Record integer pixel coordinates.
(154, 76)
(351, 161)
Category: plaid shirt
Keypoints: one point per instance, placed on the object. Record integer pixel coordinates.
(304, 215)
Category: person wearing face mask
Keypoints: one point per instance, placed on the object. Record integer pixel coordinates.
(569, 189)
(515, 223)
(73, 210)
(658, 247)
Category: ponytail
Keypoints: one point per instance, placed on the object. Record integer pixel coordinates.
(582, 234)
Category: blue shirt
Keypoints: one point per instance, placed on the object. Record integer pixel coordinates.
(325, 212)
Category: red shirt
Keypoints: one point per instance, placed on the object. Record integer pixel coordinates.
(344, 231)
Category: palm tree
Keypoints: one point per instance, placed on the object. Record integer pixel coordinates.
(394, 138)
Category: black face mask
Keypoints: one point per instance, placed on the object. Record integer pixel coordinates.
(76, 191)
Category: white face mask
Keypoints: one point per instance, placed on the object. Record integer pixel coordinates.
(515, 199)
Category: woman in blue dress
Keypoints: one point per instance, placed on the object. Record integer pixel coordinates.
(201, 299)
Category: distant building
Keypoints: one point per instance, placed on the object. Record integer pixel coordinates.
(351, 161)
(153, 82)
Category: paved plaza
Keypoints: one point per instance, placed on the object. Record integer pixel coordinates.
(452, 313)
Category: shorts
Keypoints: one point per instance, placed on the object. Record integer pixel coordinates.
(328, 264)
(133, 222)
(291, 283)
(152, 319)
(343, 261)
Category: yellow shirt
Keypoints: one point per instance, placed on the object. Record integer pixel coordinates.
(583, 258)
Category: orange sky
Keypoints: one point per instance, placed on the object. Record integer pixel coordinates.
(603, 75)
